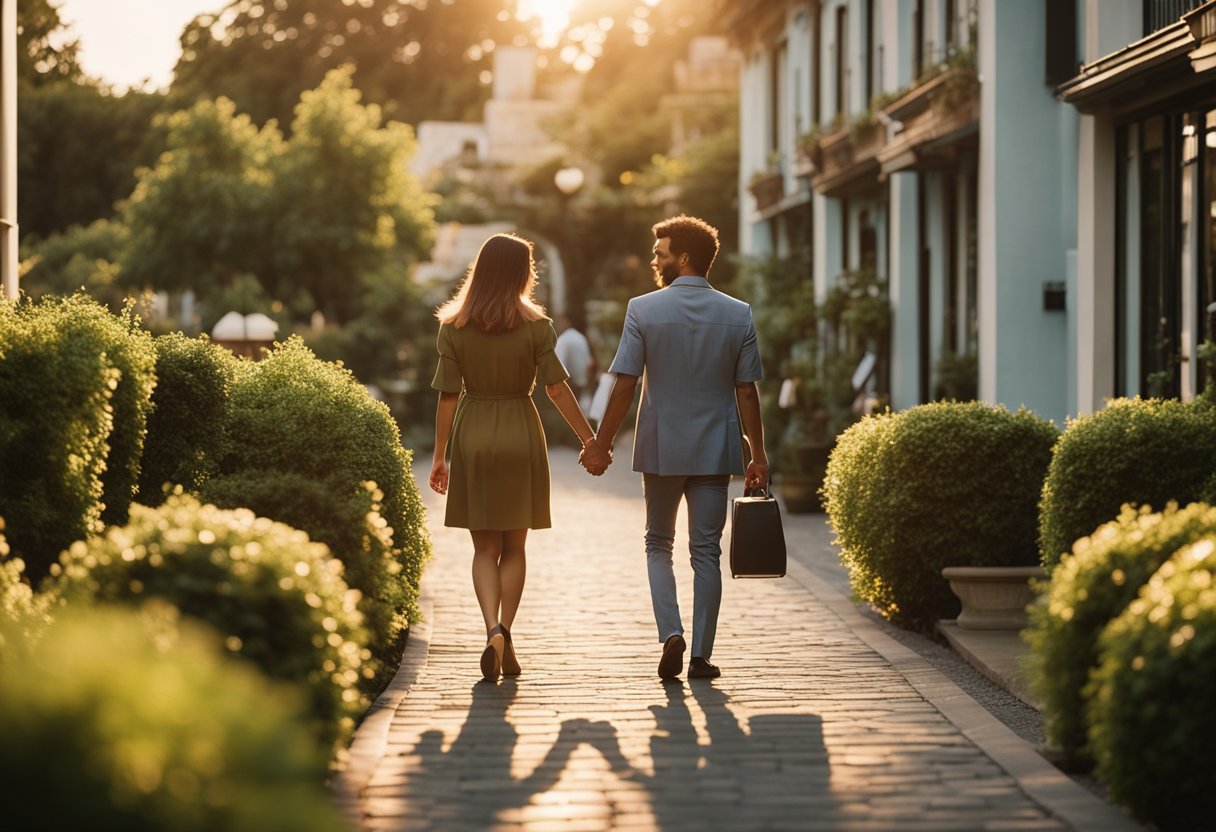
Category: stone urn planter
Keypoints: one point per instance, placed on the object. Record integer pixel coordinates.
(994, 597)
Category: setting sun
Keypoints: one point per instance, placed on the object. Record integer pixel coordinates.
(554, 17)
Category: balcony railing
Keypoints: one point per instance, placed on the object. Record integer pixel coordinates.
(1161, 13)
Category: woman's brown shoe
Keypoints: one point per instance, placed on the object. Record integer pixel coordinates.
(510, 664)
(491, 657)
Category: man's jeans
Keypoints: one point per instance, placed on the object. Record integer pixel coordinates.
(706, 496)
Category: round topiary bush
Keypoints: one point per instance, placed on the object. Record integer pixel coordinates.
(278, 598)
(943, 484)
(56, 383)
(194, 380)
(1087, 590)
(1150, 711)
(304, 438)
(137, 722)
(1143, 452)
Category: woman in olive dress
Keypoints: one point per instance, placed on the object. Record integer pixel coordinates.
(495, 344)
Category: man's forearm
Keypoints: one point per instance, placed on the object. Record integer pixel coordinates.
(618, 405)
(748, 398)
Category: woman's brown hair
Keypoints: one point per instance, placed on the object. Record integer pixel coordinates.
(496, 295)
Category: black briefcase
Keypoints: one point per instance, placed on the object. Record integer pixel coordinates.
(757, 541)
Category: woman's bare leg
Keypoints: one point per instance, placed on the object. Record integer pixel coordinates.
(487, 549)
(512, 569)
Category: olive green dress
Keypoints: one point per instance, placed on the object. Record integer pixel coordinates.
(498, 478)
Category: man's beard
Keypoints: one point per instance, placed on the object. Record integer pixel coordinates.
(665, 276)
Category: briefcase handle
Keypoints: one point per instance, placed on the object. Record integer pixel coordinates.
(761, 491)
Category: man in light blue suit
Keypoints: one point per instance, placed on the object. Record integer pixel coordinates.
(695, 350)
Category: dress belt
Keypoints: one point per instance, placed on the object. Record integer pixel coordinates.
(495, 397)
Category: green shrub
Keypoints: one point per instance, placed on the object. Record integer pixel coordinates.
(27, 612)
(305, 437)
(1087, 590)
(943, 484)
(138, 723)
(186, 429)
(278, 599)
(56, 383)
(1150, 702)
(1143, 452)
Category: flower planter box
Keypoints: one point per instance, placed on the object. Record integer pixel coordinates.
(993, 597)
(768, 191)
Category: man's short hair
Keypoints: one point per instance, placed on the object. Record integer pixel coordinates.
(694, 237)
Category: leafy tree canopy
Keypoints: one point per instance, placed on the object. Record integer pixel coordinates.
(309, 216)
(418, 59)
(44, 51)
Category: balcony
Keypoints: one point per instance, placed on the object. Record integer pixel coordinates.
(768, 188)
(846, 160)
(939, 117)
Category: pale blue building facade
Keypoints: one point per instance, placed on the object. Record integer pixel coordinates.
(1004, 167)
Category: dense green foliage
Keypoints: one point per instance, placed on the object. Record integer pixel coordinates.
(78, 147)
(1150, 704)
(419, 60)
(56, 384)
(1088, 589)
(22, 611)
(305, 438)
(202, 214)
(186, 435)
(119, 721)
(277, 598)
(310, 217)
(1144, 452)
(943, 484)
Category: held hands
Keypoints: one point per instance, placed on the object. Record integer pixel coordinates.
(594, 458)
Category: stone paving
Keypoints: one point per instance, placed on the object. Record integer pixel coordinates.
(809, 727)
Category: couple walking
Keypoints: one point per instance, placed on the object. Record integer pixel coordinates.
(694, 350)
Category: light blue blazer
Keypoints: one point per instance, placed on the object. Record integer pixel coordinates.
(690, 344)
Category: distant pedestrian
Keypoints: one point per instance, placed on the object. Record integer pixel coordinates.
(574, 351)
(696, 350)
(495, 343)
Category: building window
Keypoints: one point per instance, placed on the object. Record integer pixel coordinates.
(869, 52)
(842, 63)
(816, 66)
(777, 96)
(918, 39)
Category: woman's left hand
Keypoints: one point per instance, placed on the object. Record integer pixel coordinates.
(439, 477)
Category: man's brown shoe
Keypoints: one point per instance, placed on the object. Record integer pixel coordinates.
(699, 668)
(673, 657)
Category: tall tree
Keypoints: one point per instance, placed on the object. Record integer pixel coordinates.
(418, 59)
(78, 147)
(345, 203)
(200, 217)
(309, 217)
(45, 50)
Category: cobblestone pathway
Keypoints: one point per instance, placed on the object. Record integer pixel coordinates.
(809, 728)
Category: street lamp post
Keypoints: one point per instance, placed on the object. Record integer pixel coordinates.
(8, 147)
(569, 180)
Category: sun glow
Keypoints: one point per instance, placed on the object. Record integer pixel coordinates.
(553, 16)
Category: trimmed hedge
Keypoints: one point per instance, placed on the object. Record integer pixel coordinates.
(278, 599)
(1151, 699)
(194, 379)
(942, 484)
(1144, 452)
(305, 438)
(56, 384)
(1087, 590)
(138, 723)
